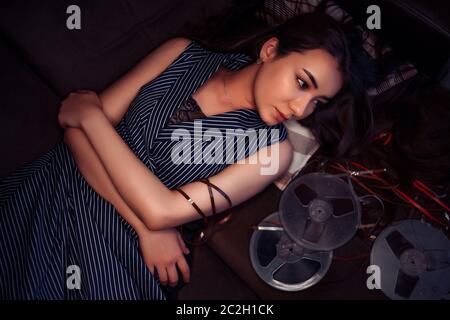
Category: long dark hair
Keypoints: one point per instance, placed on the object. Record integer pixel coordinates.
(343, 125)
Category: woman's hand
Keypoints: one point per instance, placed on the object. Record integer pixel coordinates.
(165, 250)
(77, 106)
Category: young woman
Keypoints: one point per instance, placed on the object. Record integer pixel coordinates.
(107, 207)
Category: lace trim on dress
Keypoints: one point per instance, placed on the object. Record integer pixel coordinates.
(189, 111)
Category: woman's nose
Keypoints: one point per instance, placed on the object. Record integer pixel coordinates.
(298, 108)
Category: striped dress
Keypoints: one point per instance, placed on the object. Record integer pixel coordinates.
(59, 239)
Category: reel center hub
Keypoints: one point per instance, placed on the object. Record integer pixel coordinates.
(413, 262)
(320, 210)
(289, 250)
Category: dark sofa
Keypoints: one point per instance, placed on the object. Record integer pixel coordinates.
(42, 61)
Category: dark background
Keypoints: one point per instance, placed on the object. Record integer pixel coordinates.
(42, 61)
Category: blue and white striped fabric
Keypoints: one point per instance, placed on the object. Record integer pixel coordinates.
(51, 219)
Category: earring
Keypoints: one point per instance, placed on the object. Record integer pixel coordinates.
(259, 61)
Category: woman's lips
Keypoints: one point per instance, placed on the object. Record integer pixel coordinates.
(281, 116)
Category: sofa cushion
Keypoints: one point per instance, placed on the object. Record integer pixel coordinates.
(114, 36)
(28, 113)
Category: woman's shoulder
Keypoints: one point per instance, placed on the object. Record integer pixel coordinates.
(198, 46)
(177, 45)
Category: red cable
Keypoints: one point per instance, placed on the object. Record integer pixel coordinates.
(419, 207)
(405, 197)
(386, 135)
(419, 185)
(388, 139)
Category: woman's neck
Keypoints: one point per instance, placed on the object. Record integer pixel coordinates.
(227, 91)
(235, 88)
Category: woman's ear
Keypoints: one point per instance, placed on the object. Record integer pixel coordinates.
(269, 49)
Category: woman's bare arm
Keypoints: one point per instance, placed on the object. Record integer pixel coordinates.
(159, 207)
(118, 96)
(96, 176)
(239, 181)
(162, 250)
(115, 101)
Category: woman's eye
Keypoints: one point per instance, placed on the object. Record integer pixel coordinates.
(318, 102)
(302, 83)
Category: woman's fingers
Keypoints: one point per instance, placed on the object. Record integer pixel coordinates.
(184, 269)
(182, 244)
(173, 275)
(181, 263)
(162, 274)
(151, 268)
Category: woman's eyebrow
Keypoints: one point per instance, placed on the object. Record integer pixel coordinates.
(313, 80)
(311, 77)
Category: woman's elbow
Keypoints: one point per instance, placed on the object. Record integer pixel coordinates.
(152, 223)
(155, 220)
(284, 158)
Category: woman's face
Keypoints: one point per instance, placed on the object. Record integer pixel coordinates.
(293, 86)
